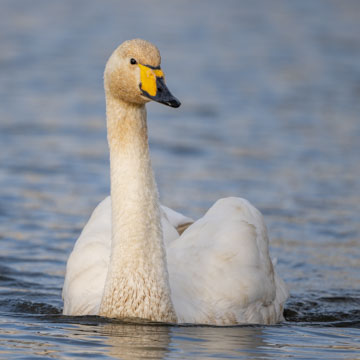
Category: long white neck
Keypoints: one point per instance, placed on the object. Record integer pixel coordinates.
(137, 282)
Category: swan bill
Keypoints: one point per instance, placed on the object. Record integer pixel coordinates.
(153, 86)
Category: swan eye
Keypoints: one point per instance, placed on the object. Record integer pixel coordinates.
(133, 61)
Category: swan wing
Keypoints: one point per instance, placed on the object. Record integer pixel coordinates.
(173, 224)
(87, 265)
(220, 270)
(175, 218)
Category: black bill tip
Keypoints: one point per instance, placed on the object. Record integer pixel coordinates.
(163, 94)
(174, 102)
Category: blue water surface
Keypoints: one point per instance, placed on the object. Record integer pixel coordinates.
(271, 112)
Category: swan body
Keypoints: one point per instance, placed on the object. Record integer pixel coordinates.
(138, 259)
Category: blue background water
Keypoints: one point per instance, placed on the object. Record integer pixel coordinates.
(271, 112)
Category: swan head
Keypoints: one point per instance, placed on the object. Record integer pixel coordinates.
(133, 74)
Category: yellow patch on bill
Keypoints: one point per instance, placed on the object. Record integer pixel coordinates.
(148, 79)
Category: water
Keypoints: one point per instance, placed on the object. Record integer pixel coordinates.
(270, 94)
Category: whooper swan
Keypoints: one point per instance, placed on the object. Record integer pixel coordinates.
(131, 262)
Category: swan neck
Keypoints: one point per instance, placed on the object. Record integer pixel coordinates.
(137, 282)
(126, 126)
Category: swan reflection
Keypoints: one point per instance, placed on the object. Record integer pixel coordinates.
(137, 341)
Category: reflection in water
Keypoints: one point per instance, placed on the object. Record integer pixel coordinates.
(91, 337)
(246, 341)
(134, 341)
(138, 341)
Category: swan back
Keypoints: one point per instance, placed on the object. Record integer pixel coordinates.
(220, 270)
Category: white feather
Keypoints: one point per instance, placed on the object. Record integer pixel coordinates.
(219, 268)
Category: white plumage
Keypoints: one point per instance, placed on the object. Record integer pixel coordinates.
(130, 260)
(219, 268)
